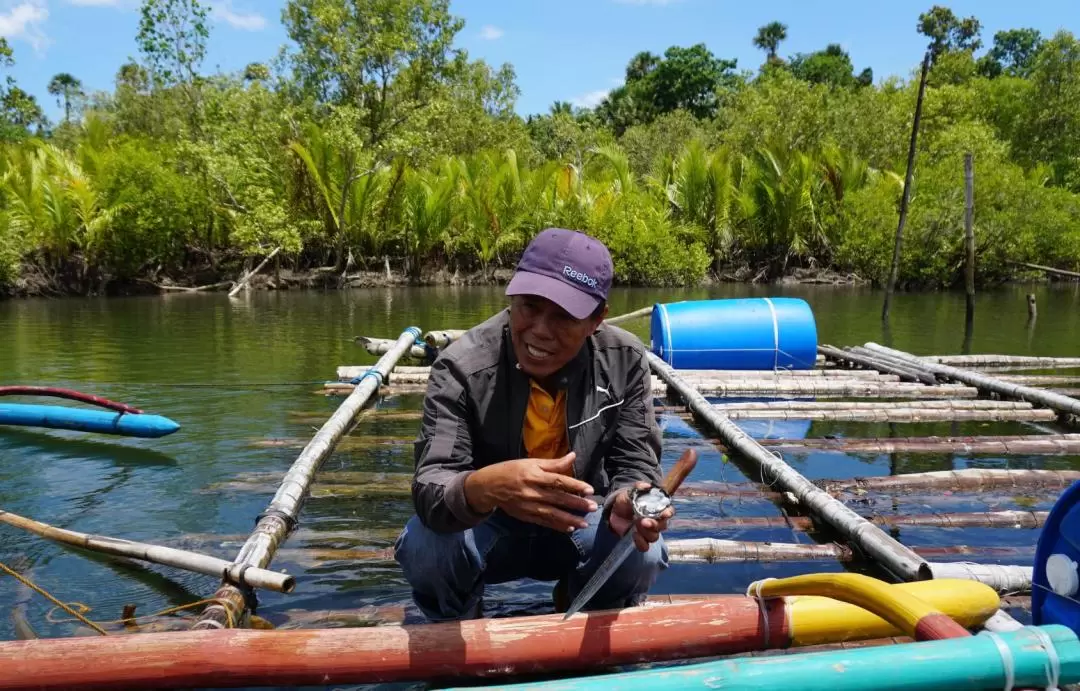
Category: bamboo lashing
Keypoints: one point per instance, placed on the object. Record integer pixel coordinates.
(890, 554)
(280, 516)
(167, 556)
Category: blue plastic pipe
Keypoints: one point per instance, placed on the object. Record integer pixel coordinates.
(956, 664)
(86, 420)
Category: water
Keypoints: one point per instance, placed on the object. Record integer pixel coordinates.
(233, 372)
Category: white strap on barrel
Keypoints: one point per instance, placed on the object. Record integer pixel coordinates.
(1006, 659)
(775, 334)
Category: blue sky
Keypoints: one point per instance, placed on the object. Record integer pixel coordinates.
(572, 50)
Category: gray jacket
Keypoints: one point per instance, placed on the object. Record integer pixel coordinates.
(475, 409)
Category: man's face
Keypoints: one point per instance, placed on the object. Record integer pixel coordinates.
(545, 336)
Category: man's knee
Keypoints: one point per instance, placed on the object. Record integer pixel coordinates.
(443, 569)
(426, 556)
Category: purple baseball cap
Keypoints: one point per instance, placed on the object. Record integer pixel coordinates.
(569, 268)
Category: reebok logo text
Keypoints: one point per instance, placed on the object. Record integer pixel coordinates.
(575, 275)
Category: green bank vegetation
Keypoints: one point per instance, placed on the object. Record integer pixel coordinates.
(379, 144)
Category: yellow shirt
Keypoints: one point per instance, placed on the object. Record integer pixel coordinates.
(544, 431)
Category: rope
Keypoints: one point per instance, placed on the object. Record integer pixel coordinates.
(70, 608)
(134, 620)
(756, 594)
(49, 597)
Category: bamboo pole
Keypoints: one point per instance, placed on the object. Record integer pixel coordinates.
(697, 551)
(349, 372)
(1042, 445)
(975, 519)
(926, 377)
(1058, 402)
(807, 386)
(979, 404)
(971, 478)
(382, 346)
(894, 415)
(1004, 578)
(643, 312)
(280, 516)
(890, 554)
(986, 359)
(1048, 269)
(904, 373)
(244, 281)
(1039, 379)
(709, 550)
(156, 554)
(442, 338)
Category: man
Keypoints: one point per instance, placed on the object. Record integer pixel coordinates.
(536, 423)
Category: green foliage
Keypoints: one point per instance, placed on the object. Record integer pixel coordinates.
(947, 32)
(373, 138)
(172, 36)
(830, 66)
(769, 38)
(1013, 53)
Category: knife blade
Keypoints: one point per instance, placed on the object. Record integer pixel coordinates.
(625, 545)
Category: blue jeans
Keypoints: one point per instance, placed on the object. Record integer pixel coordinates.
(448, 571)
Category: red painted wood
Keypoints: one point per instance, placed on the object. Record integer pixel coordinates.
(484, 647)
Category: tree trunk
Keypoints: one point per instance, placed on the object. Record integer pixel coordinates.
(969, 234)
(895, 270)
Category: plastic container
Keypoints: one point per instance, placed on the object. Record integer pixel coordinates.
(1056, 581)
(740, 334)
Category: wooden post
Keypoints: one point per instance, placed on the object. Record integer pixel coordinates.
(894, 272)
(1032, 309)
(969, 233)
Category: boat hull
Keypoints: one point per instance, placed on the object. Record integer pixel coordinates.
(85, 420)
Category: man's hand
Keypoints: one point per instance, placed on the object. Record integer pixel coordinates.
(647, 530)
(534, 490)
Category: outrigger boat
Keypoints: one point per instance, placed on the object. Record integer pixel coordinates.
(112, 418)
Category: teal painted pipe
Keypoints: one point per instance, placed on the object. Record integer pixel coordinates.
(956, 664)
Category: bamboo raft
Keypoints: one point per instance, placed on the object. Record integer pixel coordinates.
(860, 384)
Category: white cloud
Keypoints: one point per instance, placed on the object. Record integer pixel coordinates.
(490, 33)
(590, 99)
(98, 3)
(23, 21)
(246, 21)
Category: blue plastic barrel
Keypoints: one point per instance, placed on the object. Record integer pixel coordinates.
(739, 334)
(1055, 581)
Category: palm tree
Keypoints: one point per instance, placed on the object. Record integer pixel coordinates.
(66, 88)
(769, 37)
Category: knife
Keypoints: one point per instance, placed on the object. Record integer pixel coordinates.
(644, 507)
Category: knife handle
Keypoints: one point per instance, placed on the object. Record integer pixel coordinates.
(679, 471)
